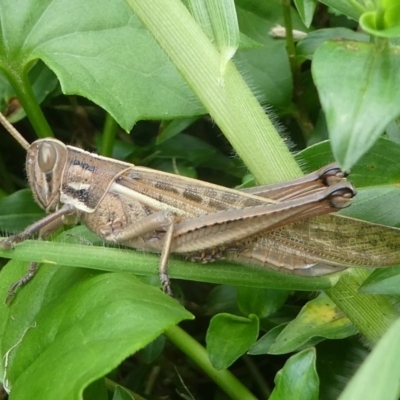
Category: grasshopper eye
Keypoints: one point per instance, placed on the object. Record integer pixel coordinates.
(47, 157)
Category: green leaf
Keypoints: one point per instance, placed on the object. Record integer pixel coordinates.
(393, 132)
(383, 281)
(306, 10)
(195, 150)
(377, 205)
(248, 43)
(307, 46)
(319, 318)
(298, 378)
(268, 66)
(379, 167)
(199, 11)
(174, 127)
(122, 394)
(97, 390)
(225, 27)
(337, 362)
(43, 83)
(82, 323)
(261, 302)
(153, 349)
(352, 9)
(218, 21)
(384, 22)
(263, 344)
(376, 176)
(175, 32)
(367, 100)
(222, 298)
(229, 337)
(379, 375)
(18, 210)
(109, 48)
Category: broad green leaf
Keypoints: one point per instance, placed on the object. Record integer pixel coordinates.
(248, 43)
(122, 394)
(379, 167)
(314, 156)
(222, 299)
(18, 210)
(195, 150)
(319, 318)
(376, 177)
(306, 10)
(153, 349)
(263, 344)
(377, 205)
(285, 314)
(261, 302)
(298, 379)
(80, 322)
(352, 9)
(229, 337)
(366, 101)
(383, 281)
(379, 375)
(174, 127)
(337, 362)
(2, 194)
(268, 66)
(97, 390)
(307, 46)
(107, 48)
(393, 131)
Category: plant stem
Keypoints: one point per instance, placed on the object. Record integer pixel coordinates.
(198, 354)
(236, 111)
(257, 376)
(104, 258)
(226, 97)
(109, 133)
(300, 111)
(23, 88)
(111, 386)
(371, 314)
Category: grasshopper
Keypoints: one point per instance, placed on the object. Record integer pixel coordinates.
(155, 211)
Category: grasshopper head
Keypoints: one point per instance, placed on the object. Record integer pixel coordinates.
(45, 162)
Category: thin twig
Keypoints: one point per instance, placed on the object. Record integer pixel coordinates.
(14, 133)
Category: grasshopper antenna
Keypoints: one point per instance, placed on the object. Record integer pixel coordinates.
(14, 133)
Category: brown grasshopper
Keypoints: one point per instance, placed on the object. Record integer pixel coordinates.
(161, 212)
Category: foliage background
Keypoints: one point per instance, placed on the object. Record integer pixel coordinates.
(75, 325)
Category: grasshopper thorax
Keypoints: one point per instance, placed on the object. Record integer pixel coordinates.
(45, 163)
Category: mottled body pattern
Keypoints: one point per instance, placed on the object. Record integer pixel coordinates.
(275, 226)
